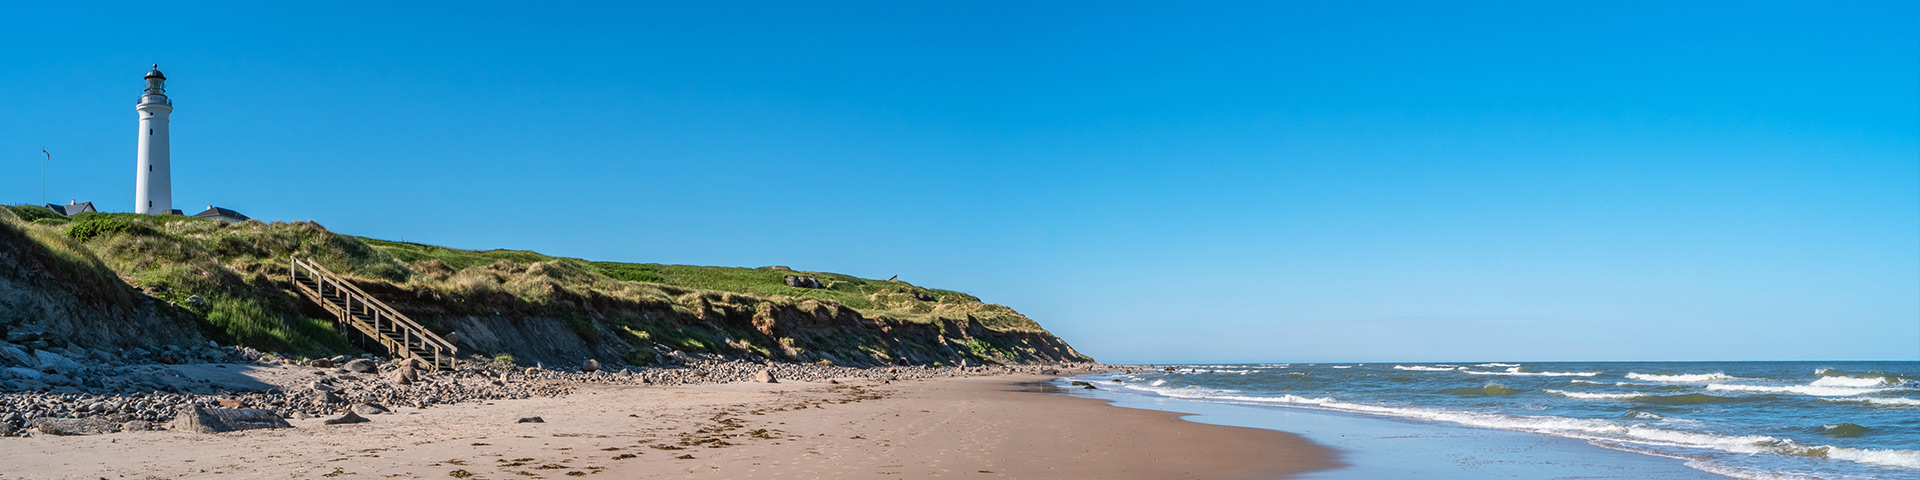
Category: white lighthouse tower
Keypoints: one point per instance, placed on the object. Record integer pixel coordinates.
(153, 185)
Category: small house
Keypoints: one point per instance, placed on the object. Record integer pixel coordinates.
(222, 214)
(73, 207)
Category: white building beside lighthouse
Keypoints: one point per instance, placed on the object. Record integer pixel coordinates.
(153, 185)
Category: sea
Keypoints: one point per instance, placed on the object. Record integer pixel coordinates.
(1750, 420)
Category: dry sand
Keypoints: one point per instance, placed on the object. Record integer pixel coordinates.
(978, 427)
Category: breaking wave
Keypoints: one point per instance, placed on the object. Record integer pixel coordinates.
(1424, 368)
(1682, 378)
(1517, 372)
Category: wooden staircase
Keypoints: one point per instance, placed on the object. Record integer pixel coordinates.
(356, 310)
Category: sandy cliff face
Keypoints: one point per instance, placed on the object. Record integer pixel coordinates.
(52, 294)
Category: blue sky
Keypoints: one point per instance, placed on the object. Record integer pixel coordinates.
(1153, 181)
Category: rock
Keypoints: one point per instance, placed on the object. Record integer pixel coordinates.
(196, 300)
(76, 426)
(53, 362)
(531, 370)
(10, 354)
(531, 420)
(22, 373)
(803, 282)
(347, 418)
(361, 365)
(765, 376)
(340, 359)
(923, 296)
(405, 375)
(590, 366)
(23, 336)
(138, 426)
(369, 409)
(320, 363)
(218, 420)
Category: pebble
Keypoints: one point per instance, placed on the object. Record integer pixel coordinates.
(132, 391)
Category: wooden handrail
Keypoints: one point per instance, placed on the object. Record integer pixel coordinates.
(408, 329)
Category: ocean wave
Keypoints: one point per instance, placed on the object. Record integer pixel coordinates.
(1887, 401)
(1488, 389)
(1682, 378)
(1424, 368)
(1517, 372)
(1159, 382)
(1810, 390)
(1212, 371)
(1585, 429)
(1680, 399)
(1889, 378)
(1498, 365)
(1595, 396)
(1342, 366)
(1855, 382)
(1589, 382)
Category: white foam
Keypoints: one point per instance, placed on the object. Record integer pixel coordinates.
(1888, 401)
(1159, 382)
(1891, 458)
(1817, 391)
(1589, 382)
(1515, 372)
(1851, 382)
(1342, 366)
(1498, 365)
(1424, 368)
(1683, 378)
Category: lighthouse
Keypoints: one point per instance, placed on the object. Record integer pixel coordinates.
(153, 185)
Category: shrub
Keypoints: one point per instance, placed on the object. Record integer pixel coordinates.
(95, 226)
(502, 358)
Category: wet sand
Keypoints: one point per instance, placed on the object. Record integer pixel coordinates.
(977, 427)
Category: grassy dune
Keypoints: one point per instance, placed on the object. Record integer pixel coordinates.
(232, 276)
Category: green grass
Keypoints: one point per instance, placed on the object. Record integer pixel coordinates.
(239, 272)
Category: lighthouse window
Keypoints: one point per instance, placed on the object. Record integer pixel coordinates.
(149, 168)
(149, 132)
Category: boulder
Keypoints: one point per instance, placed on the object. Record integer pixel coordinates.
(361, 365)
(590, 366)
(369, 409)
(347, 418)
(803, 282)
(217, 420)
(531, 420)
(405, 375)
(321, 363)
(55, 363)
(14, 355)
(76, 426)
(765, 376)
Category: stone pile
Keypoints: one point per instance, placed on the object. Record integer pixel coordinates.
(66, 391)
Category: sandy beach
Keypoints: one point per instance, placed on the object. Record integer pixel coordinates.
(1000, 426)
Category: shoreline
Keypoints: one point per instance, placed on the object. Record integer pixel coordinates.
(971, 427)
(1384, 446)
